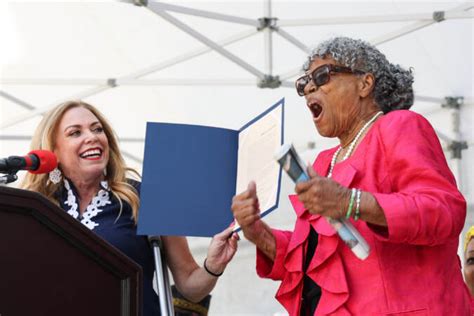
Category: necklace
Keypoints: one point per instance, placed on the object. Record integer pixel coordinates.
(352, 144)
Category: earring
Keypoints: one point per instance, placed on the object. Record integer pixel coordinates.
(55, 176)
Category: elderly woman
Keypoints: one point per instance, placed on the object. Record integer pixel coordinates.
(92, 185)
(389, 176)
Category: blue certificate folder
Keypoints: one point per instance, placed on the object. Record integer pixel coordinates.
(189, 178)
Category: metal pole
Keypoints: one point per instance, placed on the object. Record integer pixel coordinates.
(413, 27)
(162, 278)
(456, 122)
(118, 82)
(203, 39)
(456, 13)
(267, 36)
(14, 99)
(22, 117)
(205, 14)
(8, 178)
(293, 40)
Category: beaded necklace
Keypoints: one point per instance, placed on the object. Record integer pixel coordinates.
(352, 144)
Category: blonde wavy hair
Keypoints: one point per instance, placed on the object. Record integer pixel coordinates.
(117, 172)
(468, 237)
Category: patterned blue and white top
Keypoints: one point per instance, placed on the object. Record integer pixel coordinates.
(103, 217)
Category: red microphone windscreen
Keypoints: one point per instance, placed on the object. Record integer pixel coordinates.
(47, 161)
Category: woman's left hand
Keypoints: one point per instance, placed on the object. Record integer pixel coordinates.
(323, 196)
(221, 250)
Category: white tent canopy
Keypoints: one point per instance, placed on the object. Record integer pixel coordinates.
(220, 64)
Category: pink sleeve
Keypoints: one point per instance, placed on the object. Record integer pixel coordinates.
(425, 206)
(275, 270)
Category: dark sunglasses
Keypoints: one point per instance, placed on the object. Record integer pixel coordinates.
(321, 75)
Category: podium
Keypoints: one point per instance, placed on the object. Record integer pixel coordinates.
(50, 264)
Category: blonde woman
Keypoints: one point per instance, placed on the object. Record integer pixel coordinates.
(91, 184)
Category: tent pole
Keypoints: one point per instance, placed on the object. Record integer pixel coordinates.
(418, 25)
(293, 40)
(39, 111)
(203, 13)
(140, 73)
(186, 82)
(192, 54)
(267, 38)
(184, 27)
(456, 122)
(375, 19)
(14, 99)
(428, 99)
(119, 82)
(400, 32)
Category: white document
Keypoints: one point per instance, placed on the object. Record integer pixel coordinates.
(258, 143)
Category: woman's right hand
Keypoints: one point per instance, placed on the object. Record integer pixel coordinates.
(246, 212)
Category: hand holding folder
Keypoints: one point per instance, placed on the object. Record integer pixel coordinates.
(191, 173)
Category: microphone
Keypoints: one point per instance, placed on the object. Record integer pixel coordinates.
(36, 162)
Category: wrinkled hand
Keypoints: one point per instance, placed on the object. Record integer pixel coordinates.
(246, 210)
(323, 196)
(221, 250)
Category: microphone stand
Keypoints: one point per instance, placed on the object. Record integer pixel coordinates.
(162, 277)
(9, 177)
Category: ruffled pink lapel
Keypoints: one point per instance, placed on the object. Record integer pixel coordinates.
(326, 268)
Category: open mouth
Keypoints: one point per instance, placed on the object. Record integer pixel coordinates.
(315, 109)
(94, 153)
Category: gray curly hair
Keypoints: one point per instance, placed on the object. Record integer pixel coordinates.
(393, 85)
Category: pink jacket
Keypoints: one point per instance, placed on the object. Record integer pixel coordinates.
(413, 267)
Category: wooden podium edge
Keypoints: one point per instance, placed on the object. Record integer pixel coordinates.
(98, 249)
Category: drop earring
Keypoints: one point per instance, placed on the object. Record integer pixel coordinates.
(55, 176)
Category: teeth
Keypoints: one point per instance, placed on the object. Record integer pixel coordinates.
(92, 152)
